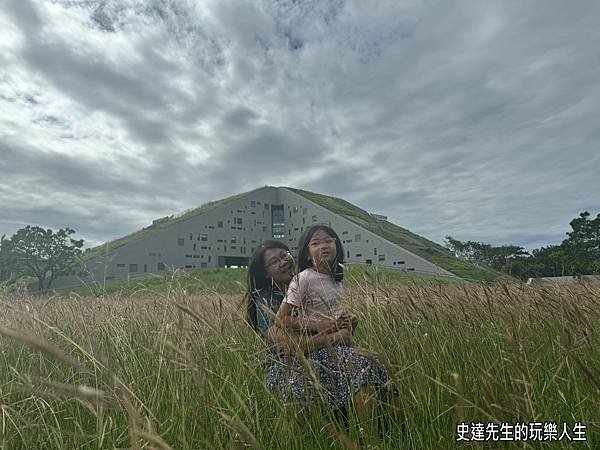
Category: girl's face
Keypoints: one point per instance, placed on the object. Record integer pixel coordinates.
(279, 265)
(321, 249)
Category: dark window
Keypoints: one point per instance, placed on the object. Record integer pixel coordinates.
(220, 224)
(208, 258)
(381, 257)
(191, 236)
(375, 251)
(145, 268)
(120, 265)
(203, 265)
(132, 268)
(204, 237)
(189, 256)
(400, 262)
(239, 220)
(233, 239)
(160, 266)
(303, 220)
(188, 267)
(369, 262)
(196, 256)
(266, 206)
(224, 249)
(278, 221)
(359, 255)
(180, 241)
(194, 247)
(347, 253)
(314, 218)
(357, 237)
(252, 204)
(344, 232)
(264, 229)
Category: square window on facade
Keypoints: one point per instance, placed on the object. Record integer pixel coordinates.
(314, 218)
(381, 257)
(204, 237)
(357, 238)
(160, 266)
(133, 268)
(220, 224)
(180, 241)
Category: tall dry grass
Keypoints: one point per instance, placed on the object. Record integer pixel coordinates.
(181, 370)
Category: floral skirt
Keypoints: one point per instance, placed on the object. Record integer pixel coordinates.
(333, 375)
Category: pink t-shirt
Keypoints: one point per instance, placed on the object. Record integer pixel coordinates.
(317, 295)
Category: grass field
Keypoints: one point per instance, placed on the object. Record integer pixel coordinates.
(171, 364)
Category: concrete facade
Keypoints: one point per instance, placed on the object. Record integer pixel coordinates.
(227, 234)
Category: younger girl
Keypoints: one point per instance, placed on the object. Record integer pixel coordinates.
(317, 290)
(346, 373)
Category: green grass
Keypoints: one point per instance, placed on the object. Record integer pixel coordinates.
(178, 369)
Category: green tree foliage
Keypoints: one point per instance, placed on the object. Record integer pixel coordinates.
(43, 254)
(499, 258)
(577, 255)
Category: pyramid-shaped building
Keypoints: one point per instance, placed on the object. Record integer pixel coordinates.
(224, 233)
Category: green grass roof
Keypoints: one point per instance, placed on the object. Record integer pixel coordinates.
(429, 250)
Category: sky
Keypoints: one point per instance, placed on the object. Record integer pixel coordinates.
(479, 120)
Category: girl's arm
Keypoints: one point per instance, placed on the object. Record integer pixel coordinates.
(291, 341)
(287, 320)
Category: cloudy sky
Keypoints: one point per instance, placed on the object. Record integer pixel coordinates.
(476, 119)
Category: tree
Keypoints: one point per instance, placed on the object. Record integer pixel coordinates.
(499, 258)
(582, 247)
(7, 273)
(33, 251)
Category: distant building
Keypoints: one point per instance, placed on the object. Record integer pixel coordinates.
(225, 233)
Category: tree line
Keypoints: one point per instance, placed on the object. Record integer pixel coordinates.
(39, 253)
(578, 254)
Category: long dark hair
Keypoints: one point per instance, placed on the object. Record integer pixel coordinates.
(257, 278)
(304, 259)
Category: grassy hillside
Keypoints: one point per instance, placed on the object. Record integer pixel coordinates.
(414, 243)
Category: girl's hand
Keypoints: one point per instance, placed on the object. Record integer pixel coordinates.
(347, 321)
(343, 336)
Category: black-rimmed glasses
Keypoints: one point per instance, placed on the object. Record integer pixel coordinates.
(276, 260)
